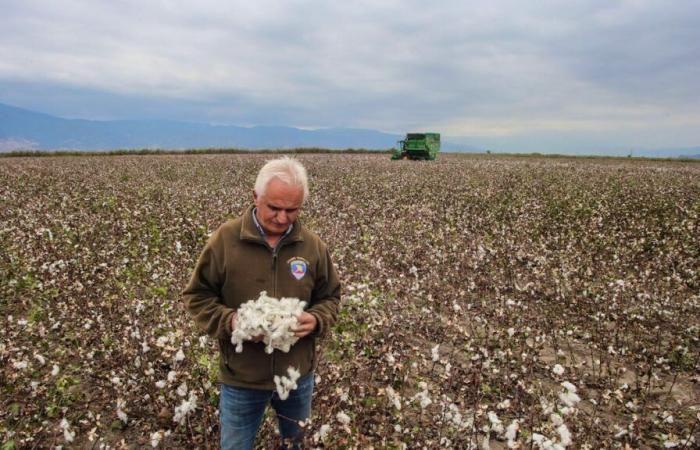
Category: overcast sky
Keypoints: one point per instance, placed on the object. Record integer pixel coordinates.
(571, 75)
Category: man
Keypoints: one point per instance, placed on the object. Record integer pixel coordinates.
(266, 249)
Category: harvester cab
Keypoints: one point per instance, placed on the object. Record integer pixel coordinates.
(418, 146)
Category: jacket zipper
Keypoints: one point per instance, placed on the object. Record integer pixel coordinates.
(275, 251)
(274, 271)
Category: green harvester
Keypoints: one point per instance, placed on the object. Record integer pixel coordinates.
(418, 146)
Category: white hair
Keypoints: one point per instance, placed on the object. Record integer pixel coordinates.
(286, 169)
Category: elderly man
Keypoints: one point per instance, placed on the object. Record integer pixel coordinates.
(266, 249)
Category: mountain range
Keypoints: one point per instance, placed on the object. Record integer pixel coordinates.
(22, 129)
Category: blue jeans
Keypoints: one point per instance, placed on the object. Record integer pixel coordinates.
(241, 411)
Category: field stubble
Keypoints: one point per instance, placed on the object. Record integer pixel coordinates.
(488, 301)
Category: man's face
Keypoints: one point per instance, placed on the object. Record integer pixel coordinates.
(278, 207)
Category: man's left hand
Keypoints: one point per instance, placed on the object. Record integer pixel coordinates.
(306, 323)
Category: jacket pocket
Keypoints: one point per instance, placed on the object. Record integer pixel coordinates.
(252, 365)
(301, 357)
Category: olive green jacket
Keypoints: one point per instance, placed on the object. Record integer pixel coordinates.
(234, 267)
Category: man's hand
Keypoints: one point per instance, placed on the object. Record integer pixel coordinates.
(306, 323)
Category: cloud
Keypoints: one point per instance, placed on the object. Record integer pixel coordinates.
(471, 68)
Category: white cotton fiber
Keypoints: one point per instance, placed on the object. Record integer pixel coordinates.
(269, 317)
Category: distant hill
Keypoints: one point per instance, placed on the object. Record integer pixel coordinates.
(688, 152)
(21, 129)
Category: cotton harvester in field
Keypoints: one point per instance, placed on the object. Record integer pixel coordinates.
(418, 146)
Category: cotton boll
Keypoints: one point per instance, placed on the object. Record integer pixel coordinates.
(321, 434)
(538, 438)
(569, 398)
(556, 419)
(569, 386)
(511, 433)
(496, 424)
(185, 408)
(423, 396)
(20, 365)
(343, 418)
(156, 438)
(564, 435)
(120, 410)
(435, 353)
(68, 435)
(394, 397)
(505, 404)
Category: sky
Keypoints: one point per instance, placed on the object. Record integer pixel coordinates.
(561, 76)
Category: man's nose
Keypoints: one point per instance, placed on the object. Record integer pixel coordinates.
(282, 217)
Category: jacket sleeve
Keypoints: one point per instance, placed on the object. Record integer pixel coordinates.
(325, 298)
(202, 295)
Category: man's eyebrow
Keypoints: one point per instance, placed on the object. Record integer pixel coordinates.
(280, 208)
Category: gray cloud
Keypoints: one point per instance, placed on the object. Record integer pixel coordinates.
(504, 70)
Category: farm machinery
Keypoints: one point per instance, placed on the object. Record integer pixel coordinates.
(418, 146)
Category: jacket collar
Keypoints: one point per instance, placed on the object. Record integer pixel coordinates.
(250, 232)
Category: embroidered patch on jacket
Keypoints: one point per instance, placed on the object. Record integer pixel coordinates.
(298, 267)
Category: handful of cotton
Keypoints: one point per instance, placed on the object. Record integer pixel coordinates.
(269, 317)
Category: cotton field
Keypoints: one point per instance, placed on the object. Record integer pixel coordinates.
(488, 301)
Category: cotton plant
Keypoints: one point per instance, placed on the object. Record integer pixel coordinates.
(495, 423)
(120, 410)
(511, 434)
(423, 396)
(322, 432)
(454, 416)
(561, 435)
(343, 418)
(68, 433)
(272, 318)
(569, 397)
(558, 369)
(435, 353)
(156, 437)
(393, 397)
(185, 408)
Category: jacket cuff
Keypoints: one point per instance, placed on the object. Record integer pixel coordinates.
(227, 323)
(320, 329)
